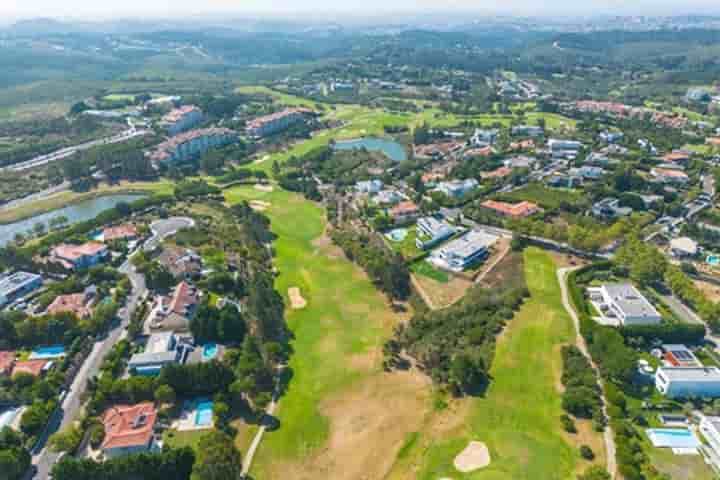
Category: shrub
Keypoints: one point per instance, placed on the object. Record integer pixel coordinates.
(568, 424)
(586, 452)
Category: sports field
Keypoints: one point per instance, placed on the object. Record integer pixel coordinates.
(342, 417)
(518, 418)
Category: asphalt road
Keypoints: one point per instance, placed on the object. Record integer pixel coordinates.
(44, 459)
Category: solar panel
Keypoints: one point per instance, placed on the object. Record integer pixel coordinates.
(682, 355)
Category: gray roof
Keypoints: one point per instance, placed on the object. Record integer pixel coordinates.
(630, 301)
(17, 280)
(694, 374)
(469, 244)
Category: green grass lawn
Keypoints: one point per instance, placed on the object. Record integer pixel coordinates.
(679, 467)
(422, 267)
(177, 439)
(345, 316)
(544, 196)
(553, 121)
(407, 247)
(519, 416)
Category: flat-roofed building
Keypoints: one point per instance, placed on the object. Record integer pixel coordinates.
(431, 231)
(710, 429)
(667, 175)
(161, 349)
(688, 382)
(464, 251)
(457, 188)
(128, 429)
(369, 186)
(17, 285)
(676, 355)
(629, 305)
(181, 119)
(527, 131)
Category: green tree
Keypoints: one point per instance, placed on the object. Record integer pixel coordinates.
(165, 394)
(595, 472)
(217, 458)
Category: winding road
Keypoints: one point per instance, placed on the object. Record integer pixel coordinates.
(608, 435)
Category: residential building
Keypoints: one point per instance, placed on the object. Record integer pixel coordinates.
(162, 348)
(564, 145)
(628, 305)
(699, 95)
(431, 231)
(500, 172)
(527, 131)
(119, 232)
(483, 138)
(388, 197)
(611, 137)
(437, 150)
(182, 263)
(404, 212)
(683, 247)
(191, 145)
(181, 119)
(174, 312)
(521, 161)
(36, 367)
(666, 175)
(479, 152)
(16, 285)
(598, 159)
(710, 429)
(276, 122)
(77, 257)
(79, 304)
(517, 210)
(675, 355)
(369, 186)
(677, 156)
(688, 382)
(564, 181)
(588, 172)
(465, 251)
(457, 188)
(7, 361)
(522, 145)
(609, 208)
(128, 429)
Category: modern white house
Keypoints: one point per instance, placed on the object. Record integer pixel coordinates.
(687, 382)
(17, 285)
(457, 188)
(161, 349)
(626, 303)
(464, 251)
(683, 247)
(369, 186)
(710, 429)
(431, 231)
(483, 138)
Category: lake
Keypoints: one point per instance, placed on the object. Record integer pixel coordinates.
(77, 212)
(392, 149)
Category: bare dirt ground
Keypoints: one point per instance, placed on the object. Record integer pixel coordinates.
(259, 205)
(711, 291)
(297, 301)
(474, 457)
(443, 294)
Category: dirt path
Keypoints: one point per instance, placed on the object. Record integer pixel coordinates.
(582, 346)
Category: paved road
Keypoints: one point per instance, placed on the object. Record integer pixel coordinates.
(608, 435)
(44, 459)
(67, 151)
(36, 196)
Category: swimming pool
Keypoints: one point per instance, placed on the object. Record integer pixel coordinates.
(48, 352)
(209, 351)
(397, 235)
(204, 413)
(672, 437)
(713, 260)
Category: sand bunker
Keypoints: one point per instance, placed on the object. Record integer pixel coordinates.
(263, 188)
(474, 457)
(259, 205)
(296, 300)
(261, 160)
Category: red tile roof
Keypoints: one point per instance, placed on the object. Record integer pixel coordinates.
(522, 209)
(75, 303)
(178, 113)
(7, 359)
(75, 252)
(676, 157)
(184, 297)
(480, 152)
(129, 425)
(498, 173)
(33, 367)
(404, 208)
(261, 121)
(714, 141)
(119, 232)
(666, 172)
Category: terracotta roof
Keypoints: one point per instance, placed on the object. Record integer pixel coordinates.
(75, 252)
(479, 152)
(183, 299)
(163, 150)
(178, 113)
(119, 232)
(75, 303)
(7, 359)
(714, 141)
(522, 209)
(498, 173)
(666, 172)
(128, 425)
(676, 157)
(404, 208)
(261, 121)
(523, 145)
(33, 367)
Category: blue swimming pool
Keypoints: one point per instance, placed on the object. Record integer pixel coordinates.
(204, 413)
(672, 437)
(48, 352)
(713, 260)
(209, 351)
(397, 235)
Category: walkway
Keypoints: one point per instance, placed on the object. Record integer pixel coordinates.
(582, 346)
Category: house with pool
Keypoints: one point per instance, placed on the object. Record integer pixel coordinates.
(161, 349)
(688, 382)
(128, 429)
(78, 257)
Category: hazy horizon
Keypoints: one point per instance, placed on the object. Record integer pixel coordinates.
(323, 10)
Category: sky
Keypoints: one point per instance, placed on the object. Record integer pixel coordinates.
(108, 9)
